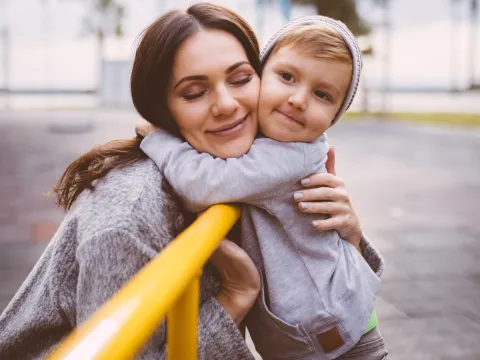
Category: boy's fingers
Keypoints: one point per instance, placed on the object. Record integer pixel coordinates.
(333, 223)
(143, 128)
(327, 208)
(323, 179)
(321, 194)
(330, 164)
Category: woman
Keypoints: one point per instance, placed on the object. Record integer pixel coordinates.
(119, 218)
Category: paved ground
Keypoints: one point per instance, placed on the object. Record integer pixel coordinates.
(417, 190)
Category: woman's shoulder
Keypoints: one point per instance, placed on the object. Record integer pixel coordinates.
(136, 198)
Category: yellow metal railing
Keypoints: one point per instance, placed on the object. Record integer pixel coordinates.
(120, 328)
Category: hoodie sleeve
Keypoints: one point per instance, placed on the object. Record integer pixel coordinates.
(202, 180)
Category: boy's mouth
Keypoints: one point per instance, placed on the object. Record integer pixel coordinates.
(290, 117)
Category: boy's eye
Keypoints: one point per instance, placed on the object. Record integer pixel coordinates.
(322, 95)
(287, 77)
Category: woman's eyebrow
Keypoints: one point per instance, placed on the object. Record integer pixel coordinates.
(190, 78)
(236, 65)
(204, 77)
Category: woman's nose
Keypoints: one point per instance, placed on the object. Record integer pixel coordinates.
(298, 99)
(225, 104)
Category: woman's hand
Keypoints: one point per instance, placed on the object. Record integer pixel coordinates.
(326, 194)
(240, 280)
(143, 128)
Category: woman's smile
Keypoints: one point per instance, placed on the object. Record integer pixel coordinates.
(231, 129)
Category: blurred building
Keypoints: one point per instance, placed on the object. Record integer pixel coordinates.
(265, 16)
(49, 51)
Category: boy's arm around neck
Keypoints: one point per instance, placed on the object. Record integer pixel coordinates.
(202, 180)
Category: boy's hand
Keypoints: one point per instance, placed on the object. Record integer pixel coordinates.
(325, 194)
(143, 128)
(330, 164)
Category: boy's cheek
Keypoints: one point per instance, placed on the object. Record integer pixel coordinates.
(270, 89)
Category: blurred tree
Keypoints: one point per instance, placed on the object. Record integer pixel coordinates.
(343, 10)
(347, 12)
(104, 18)
(473, 43)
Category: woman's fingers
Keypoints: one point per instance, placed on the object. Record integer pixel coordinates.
(237, 270)
(321, 194)
(239, 277)
(327, 208)
(323, 179)
(228, 253)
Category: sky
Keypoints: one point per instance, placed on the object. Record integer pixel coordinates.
(50, 49)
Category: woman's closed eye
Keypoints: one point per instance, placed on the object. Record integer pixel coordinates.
(242, 80)
(193, 91)
(193, 96)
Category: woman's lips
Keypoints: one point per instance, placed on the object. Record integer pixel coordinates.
(233, 129)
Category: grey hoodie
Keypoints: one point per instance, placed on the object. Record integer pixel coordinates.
(318, 293)
(314, 282)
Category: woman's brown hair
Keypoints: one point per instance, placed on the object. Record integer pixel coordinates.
(149, 80)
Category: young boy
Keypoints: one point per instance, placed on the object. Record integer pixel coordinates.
(318, 292)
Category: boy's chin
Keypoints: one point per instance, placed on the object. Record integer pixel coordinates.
(282, 135)
(234, 149)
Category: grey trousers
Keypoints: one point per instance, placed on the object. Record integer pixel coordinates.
(370, 347)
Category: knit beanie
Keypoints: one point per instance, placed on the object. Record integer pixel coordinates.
(347, 36)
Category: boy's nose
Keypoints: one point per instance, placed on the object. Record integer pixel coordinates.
(298, 100)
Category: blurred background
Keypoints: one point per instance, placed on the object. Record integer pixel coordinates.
(408, 149)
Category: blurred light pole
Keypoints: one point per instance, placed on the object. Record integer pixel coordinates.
(453, 40)
(162, 6)
(259, 17)
(285, 6)
(5, 40)
(46, 40)
(6, 57)
(473, 42)
(386, 22)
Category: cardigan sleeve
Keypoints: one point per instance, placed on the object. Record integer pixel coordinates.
(372, 256)
(108, 261)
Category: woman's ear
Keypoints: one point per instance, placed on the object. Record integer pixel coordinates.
(330, 164)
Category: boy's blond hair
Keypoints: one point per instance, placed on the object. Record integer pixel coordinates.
(316, 40)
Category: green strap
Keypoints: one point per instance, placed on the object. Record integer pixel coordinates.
(372, 323)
